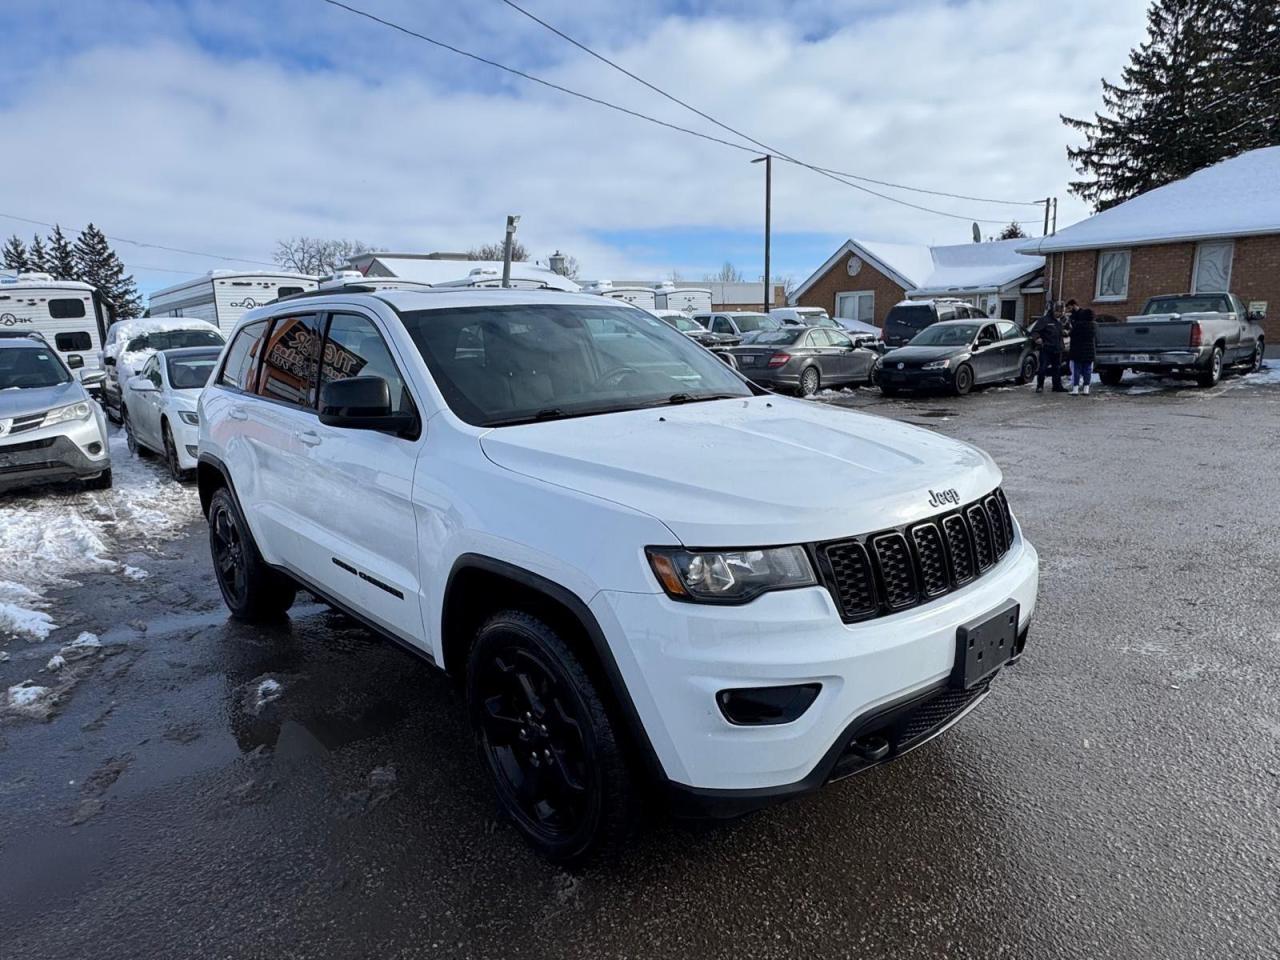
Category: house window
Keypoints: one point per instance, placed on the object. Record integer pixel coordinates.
(1213, 267)
(1113, 275)
(858, 305)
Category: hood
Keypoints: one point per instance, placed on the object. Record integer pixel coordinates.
(751, 472)
(28, 400)
(923, 354)
(187, 399)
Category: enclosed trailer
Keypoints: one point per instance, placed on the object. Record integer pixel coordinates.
(684, 299)
(70, 316)
(222, 297)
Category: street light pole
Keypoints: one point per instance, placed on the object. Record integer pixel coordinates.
(768, 211)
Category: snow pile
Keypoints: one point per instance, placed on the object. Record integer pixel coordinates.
(129, 329)
(16, 614)
(56, 662)
(27, 699)
(135, 573)
(85, 641)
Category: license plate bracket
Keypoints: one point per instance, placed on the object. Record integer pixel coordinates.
(985, 645)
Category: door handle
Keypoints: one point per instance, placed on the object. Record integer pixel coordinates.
(237, 413)
(309, 437)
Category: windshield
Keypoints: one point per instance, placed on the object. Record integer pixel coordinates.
(1211, 304)
(684, 324)
(751, 322)
(191, 372)
(172, 339)
(503, 365)
(915, 317)
(946, 335)
(33, 367)
(779, 337)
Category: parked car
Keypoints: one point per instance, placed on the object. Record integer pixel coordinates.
(906, 319)
(159, 405)
(130, 342)
(50, 429)
(695, 331)
(859, 328)
(805, 359)
(739, 324)
(482, 477)
(802, 317)
(959, 355)
(1195, 335)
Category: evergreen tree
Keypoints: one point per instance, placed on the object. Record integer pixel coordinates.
(15, 254)
(62, 260)
(1204, 87)
(1012, 232)
(37, 256)
(98, 265)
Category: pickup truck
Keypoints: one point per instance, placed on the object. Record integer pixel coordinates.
(1193, 335)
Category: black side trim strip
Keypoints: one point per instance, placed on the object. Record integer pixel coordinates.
(345, 566)
(368, 579)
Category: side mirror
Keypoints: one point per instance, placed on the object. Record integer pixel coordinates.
(75, 361)
(141, 385)
(92, 378)
(362, 403)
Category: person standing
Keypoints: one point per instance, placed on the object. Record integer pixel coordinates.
(1084, 340)
(1047, 334)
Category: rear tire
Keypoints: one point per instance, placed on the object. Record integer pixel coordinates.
(810, 381)
(1211, 376)
(252, 591)
(1111, 376)
(543, 733)
(1259, 354)
(962, 383)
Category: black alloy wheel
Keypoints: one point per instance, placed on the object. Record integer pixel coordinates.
(228, 548)
(1029, 368)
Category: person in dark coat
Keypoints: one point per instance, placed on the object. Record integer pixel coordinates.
(1084, 341)
(1047, 334)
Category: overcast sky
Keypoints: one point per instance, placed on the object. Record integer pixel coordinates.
(222, 125)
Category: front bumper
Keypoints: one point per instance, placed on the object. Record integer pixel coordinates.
(65, 451)
(674, 658)
(916, 379)
(186, 438)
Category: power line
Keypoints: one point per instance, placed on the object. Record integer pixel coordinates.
(640, 116)
(150, 246)
(724, 126)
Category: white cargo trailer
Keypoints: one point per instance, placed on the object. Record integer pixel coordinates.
(222, 297)
(684, 299)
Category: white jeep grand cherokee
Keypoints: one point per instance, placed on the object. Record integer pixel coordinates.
(586, 518)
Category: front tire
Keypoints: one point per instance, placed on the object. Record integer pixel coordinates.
(1027, 372)
(131, 438)
(810, 382)
(546, 739)
(171, 455)
(1259, 354)
(1211, 376)
(252, 591)
(963, 381)
(1111, 376)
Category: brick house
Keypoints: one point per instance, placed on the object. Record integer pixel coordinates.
(863, 279)
(1214, 231)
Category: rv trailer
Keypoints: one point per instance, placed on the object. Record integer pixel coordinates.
(70, 316)
(222, 297)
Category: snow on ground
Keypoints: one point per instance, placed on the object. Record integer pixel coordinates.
(28, 699)
(51, 535)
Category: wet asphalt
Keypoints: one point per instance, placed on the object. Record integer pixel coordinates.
(1117, 796)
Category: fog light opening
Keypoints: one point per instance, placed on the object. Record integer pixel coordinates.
(95, 448)
(763, 706)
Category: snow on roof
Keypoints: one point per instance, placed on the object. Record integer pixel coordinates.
(140, 325)
(921, 269)
(1233, 198)
(444, 271)
(44, 281)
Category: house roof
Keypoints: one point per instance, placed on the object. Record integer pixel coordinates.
(425, 270)
(1233, 198)
(921, 269)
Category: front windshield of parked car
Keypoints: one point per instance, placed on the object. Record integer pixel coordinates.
(685, 325)
(24, 368)
(751, 322)
(945, 335)
(172, 339)
(777, 338)
(501, 365)
(191, 372)
(1188, 305)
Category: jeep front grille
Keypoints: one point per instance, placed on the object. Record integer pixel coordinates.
(892, 570)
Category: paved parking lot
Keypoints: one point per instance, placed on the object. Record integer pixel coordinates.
(208, 789)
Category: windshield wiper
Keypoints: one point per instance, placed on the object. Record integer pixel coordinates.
(691, 398)
(547, 413)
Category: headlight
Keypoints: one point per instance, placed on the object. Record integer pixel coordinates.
(189, 416)
(72, 411)
(729, 576)
(936, 365)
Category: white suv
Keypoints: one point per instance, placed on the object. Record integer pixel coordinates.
(568, 506)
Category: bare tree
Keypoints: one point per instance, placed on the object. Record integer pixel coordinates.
(493, 251)
(571, 266)
(728, 273)
(676, 276)
(315, 256)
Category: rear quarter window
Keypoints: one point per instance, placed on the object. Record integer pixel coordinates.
(238, 371)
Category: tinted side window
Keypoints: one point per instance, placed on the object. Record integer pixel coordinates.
(242, 357)
(289, 360)
(73, 341)
(721, 325)
(152, 371)
(1008, 331)
(839, 339)
(355, 348)
(66, 309)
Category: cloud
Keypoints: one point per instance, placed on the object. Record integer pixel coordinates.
(215, 134)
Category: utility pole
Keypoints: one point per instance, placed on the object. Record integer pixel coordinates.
(768, 211)
(1054, 228)
(1046, 203)
(506, 250)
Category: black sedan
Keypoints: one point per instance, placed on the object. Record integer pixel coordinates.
(958, 355)
(695, 331)
(805, 359)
